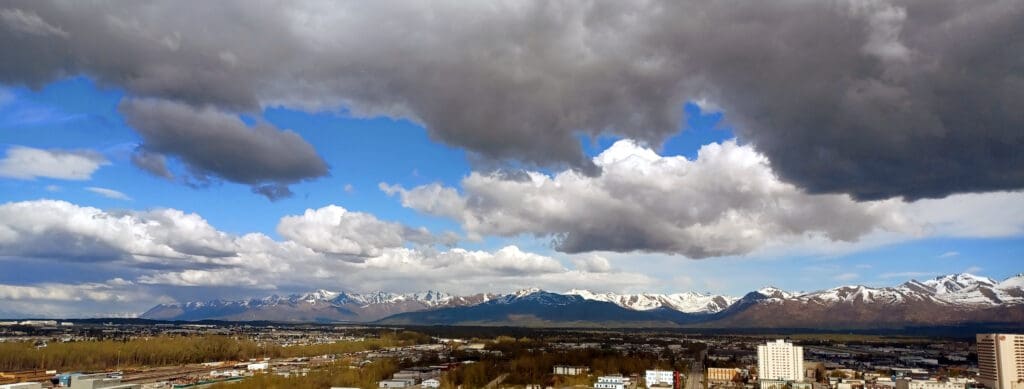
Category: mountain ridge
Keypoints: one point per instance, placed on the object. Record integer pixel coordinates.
(960, 297)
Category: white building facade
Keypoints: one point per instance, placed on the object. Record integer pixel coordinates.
(933, 384)
(780, 360)
(1001, 360)
(23, 385)
(655, 377)
(571, 370)
(611, 382)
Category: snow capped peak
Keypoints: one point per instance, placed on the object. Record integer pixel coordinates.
(588, 295)
(689, 302)
(958, 282)
(850, 294)
(525, 292)
(773, 292)
(578, 292)
(320, 295)
(538, 296)
(431, 298)
(1014, 282)
(964, 289)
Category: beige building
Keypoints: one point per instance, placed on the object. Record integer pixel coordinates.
(1001, 360)
(719, 374)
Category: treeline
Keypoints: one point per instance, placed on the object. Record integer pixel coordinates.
(385, 340)
(474, 375)
(173, 350)
(335, 375)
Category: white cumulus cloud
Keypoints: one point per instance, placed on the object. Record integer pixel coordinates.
(336, 230)
(62, 230)
(27, 163)
(725, 202)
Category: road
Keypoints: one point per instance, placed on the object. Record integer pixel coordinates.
(696, 378)
(495, 382)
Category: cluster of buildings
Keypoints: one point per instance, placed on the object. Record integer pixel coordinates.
(653, 379)
(96, 381)
(741, 362)
(781, 365)
(425, 377)
(35, 323)
(77, 381)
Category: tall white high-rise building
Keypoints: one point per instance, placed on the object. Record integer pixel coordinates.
(780, 360)
(1001, 361)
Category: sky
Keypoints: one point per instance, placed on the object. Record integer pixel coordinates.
(149, 155)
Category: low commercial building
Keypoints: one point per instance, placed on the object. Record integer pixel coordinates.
(571, 370)
(928, 384)
(616, 381)
(655, 378)
(99, 381)
(397, 383)
(773, 384)
(720, 374)
(23, 385)
(418, 373)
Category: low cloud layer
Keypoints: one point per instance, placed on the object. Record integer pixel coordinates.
(216, 145)
(170, 250)
(112, 298)
(725, 202)
(167, 253)
(27, 163)
(101, 292)
(872, 98)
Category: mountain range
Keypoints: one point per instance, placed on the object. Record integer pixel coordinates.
(317, 306)
(955, 299)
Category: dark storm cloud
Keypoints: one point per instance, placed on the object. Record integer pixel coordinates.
(154, 163)
(914, 98)
(216, 144)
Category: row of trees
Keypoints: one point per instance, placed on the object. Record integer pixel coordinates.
(173, 350)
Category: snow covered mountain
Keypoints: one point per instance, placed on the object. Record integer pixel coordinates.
(968, 289)
(954, 299)
(965, 290)
(320, 305)
(688, 302)
(945, 300)
(538, 308)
